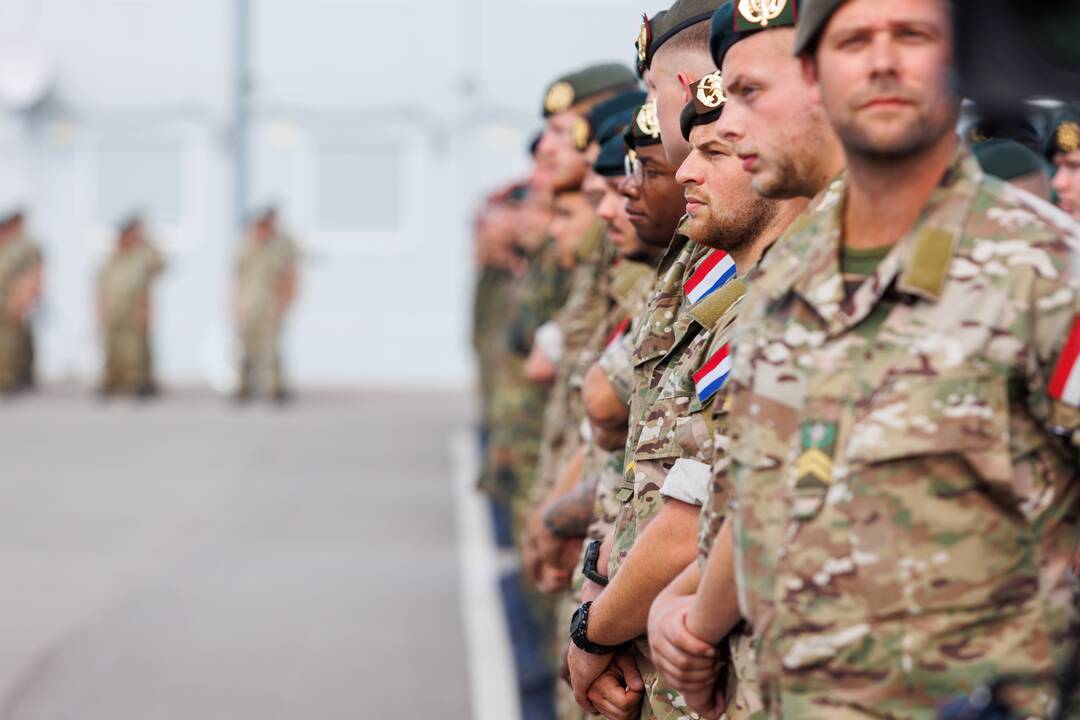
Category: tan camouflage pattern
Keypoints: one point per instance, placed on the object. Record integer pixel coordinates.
(932, 553)
(667, 422)
(124, 283)
(17, 257)
(124, 293)
(259, 267)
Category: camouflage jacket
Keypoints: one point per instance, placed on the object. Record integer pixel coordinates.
(904, 490)
(124, 283)
(669, 421)
(667, 418)
(517, 405)
(586, 306)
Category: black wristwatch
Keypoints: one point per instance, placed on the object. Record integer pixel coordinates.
(588, 568)
(579, 631)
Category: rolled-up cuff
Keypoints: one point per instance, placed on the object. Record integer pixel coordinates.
(688, 481)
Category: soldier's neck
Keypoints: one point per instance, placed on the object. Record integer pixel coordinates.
(885, 200)
(787, 211)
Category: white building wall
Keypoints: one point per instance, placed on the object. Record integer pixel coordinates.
(377, 125)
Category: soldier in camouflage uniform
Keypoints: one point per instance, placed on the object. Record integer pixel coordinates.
(266, 279)
(20, 289)
(498, 265)
(566, 337)
(1063, 150)
(568, 515)
(905, 418)
(518, 403)
(666, 479)
(767, 105)
(125, 307)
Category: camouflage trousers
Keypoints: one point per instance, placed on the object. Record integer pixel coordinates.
(128, 362)
(16, 356)
(260, 359)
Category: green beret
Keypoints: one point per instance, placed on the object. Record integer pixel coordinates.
(815, 15)
(644, 129)
(575, 88)
(680, 16)
(1019, 129)
(586, 128)
(1007, 159)
(706, 103)
(1064, 136)
(730, 25)
(612, 159)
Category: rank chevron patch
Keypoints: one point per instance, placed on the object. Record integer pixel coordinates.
(1065, 382)
(715, 270)
(713, 374)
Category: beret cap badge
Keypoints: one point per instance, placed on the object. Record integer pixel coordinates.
(710, 91)
(647, 120)
(1068, 137)
(582, 133)
(759, 12)
(643, 42)
(560, 97)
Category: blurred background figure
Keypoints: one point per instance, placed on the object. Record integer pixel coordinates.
(1063, 149)
(20, 290)
(1016, 164)
(126, 312)
(266, 279)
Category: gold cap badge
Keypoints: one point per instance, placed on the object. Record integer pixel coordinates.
(647, 120)
(1068, 137)
(710, 92)
(560, 97)
(643, 42)
(582, 133)
(761, 12)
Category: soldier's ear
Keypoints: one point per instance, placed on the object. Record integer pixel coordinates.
(685, 81)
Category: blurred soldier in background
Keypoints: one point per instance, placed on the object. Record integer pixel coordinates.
(125, 311)
(1063, 149)
(518, 402)
(20, 290)
(1015, 164)
(266, 281)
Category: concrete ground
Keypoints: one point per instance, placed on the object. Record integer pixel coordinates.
(185, 559)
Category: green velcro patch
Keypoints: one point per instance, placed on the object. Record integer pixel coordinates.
(929, 265)
(713, 307)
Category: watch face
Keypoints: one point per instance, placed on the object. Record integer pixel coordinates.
(576, 621)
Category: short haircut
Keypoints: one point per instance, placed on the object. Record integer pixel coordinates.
(694, 38)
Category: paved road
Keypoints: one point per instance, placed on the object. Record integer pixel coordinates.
(188, 560)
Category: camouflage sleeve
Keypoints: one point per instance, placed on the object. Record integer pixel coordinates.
(688, 481)
(618, 368)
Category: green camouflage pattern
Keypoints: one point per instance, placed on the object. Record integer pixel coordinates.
(585, 308)
(929, 551)
(517, 404)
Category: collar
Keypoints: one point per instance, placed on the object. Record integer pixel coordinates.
(919, 263)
